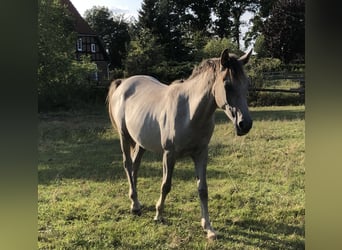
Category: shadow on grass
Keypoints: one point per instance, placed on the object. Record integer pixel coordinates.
(90, 157)
(106, 165)
(72, 147)
(264, 234)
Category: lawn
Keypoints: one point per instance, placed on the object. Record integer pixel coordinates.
(256, 187)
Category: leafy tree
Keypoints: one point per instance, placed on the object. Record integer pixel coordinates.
(223, 24)
(148, 15)
(215, 47)
(144, 53)
(260, 47)
(228, 17)
(60, 76)
(261, 13)
(237, 9)
(164, 19)
(55, 40)
(201, 15)
(113, 30)
(255, 29)
(284, 30)
(265, 7)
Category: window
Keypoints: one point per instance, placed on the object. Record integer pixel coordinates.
(79, 44)
(93, 47)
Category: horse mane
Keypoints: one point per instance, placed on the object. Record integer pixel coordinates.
(204, 66)
(235, 67)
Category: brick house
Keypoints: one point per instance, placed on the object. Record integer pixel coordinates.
(89, 43)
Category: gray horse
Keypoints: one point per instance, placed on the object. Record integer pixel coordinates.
(178, 120)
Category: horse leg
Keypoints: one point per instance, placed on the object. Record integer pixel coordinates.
(136, 155)
(168, 165)
(200, 159)
(128, 166)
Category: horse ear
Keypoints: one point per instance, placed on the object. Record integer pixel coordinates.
(225, 58)
(245, 58)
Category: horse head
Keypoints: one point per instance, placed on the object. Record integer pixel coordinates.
(231, 89)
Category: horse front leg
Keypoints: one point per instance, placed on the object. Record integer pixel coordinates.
(168, 166)
(200, 159)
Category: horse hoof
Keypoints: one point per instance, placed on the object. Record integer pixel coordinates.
(136, 212)
(211, 235)
(159, 220)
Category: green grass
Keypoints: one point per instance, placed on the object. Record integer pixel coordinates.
(281, 84)
(256, 187)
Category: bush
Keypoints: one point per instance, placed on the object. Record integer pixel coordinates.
(69, 89)
(215, 47)
(167, 72)
(274, 99)
(257, 66)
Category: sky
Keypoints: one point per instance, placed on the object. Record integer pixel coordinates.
(127, 7)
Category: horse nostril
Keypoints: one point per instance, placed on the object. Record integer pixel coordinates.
(245, 126)
(241, 125)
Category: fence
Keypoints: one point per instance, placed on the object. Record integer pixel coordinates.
(272, 83)
(281, 75)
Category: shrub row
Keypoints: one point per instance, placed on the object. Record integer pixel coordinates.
(274, 99)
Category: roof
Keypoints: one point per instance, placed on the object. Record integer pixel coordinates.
(81, 26)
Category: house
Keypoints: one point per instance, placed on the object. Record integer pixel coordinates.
(89, 43)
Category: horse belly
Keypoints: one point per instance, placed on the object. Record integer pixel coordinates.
(146, 132)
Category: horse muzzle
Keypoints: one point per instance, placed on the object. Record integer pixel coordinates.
(243, 127)
(242, 123)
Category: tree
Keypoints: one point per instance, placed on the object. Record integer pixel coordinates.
(144, 53)
(164, 19)
(223, 24)
(215, 47)
(228, 17)
(61, 79)
(260, 47)
(201, 15)
(261, 13)
(113, 30)
(148, 15)
(238, 8)
(183, 27)
(284, 30)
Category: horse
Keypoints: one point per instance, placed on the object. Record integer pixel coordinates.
(178, 120)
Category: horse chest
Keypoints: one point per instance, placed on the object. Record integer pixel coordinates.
(186, 139)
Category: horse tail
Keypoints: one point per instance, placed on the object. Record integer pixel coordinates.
(113, 86)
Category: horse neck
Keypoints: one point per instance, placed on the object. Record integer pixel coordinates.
(201, 100)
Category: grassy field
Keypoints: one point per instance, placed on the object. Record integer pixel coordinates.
(256, 187)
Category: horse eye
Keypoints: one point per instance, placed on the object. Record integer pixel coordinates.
(228, 86)
(226, 82)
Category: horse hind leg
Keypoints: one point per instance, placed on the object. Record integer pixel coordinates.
(136, 154)
(127, 147)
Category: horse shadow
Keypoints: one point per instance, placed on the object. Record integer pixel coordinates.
(69, 148)
(101, 160)
(263, 234)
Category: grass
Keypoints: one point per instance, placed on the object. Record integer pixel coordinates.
(281, 84)
(256, 187)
